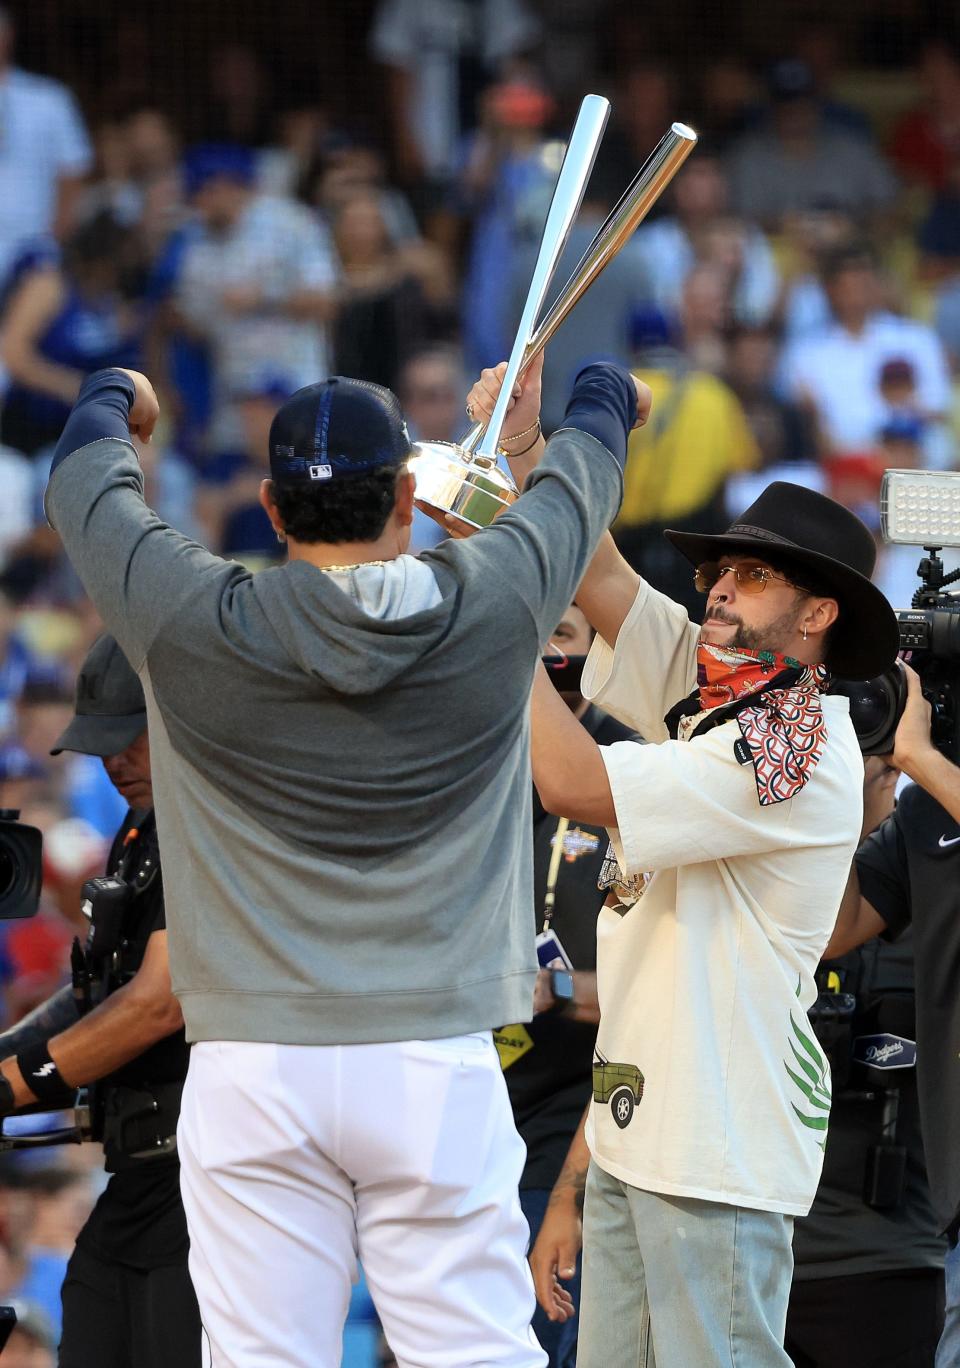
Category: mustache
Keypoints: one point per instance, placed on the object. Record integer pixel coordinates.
(718, 615)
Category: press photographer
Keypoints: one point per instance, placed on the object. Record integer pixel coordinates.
(127, 1297)
(908, 873)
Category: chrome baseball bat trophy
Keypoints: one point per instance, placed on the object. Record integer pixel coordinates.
(464, 478)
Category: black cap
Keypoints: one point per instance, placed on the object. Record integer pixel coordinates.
(336, 429)
(110, 708)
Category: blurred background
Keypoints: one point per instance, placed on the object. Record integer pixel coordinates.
(241, 199)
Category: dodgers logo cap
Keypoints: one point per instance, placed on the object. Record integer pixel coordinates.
(336, 429)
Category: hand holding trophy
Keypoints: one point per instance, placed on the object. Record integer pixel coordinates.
(464, 480)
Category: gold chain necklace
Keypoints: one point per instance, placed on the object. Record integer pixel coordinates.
(358, 565)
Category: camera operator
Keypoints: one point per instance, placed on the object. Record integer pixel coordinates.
(547, 1062)
(906, 873)
(127, 1297)
(868, 1276)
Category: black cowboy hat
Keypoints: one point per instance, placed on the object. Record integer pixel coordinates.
(807, 529)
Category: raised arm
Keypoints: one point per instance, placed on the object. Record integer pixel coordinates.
(135, 568)
(609, 586)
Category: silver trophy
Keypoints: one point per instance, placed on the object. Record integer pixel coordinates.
(463, 478)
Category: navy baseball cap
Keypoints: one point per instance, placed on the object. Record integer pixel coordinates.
(335, 429)
(110, 709)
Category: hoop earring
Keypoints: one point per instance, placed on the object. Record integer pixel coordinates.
(282, 537)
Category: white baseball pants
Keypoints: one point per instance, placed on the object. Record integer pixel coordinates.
(298, 1158)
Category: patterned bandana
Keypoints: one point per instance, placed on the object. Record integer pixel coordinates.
(783, 731)
(725, 674)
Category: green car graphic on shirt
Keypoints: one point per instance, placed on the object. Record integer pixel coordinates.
(619, 1084)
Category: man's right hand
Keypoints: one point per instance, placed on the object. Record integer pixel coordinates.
(145, 409)
(553, 1258)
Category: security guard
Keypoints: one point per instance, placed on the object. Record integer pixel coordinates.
(127, 1297)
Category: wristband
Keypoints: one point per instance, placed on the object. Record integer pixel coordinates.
(41, 1075)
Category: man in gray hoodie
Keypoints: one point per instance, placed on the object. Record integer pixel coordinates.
(341, 779)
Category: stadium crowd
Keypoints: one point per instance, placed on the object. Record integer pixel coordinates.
(794, 304)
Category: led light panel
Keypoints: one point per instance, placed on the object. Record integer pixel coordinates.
(920, 507)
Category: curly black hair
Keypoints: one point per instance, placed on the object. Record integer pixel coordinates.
(354, 509)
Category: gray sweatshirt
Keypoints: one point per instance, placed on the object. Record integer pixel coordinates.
(341, 770)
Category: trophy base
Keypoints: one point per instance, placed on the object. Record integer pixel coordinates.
(473, 489)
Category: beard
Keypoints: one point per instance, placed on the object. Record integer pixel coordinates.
(772, 637)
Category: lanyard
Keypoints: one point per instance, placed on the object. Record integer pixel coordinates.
(553, 871)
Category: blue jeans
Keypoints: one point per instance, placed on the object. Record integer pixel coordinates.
(559, 1342)
(672, 1282)
(948, 1350)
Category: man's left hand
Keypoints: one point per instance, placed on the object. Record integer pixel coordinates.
(145, 409)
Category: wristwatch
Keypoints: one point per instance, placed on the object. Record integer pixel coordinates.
(561, 986)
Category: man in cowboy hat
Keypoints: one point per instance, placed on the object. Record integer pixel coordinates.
(731, 842)
(730, 847)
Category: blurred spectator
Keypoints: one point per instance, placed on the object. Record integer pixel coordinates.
(729, 98)
(818, 44)
(807, 239)
(440, 56)
(430, 387)
(18, 507)
(837, 370)
(228, 505)
(390, 298)
(239, 95)
(947, 319)
(505, 173)
(600, 326)
(256, 280)
(62, 323)
(44, 155)
(58, 1201)
(927, 139)
(705, 317)
(644, 106)
(302, 124)
(33, 1341)
(678, 464)
(17, 662)
(938, 236)
(701, 228)
(797, 160)
(780, 429)
(342, 167)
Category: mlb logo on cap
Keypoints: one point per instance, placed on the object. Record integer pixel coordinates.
(320, 472)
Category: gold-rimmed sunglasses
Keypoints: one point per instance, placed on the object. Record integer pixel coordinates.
(751, 578)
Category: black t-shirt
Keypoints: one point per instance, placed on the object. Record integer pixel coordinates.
(909, 870)
(550, 1082)
(843, 1235)
(139, 1219)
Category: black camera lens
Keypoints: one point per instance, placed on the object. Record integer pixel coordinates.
(876, 706)
(21, 849)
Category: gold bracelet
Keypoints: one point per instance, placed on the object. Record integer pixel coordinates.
(512, 455)
(534, 427)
